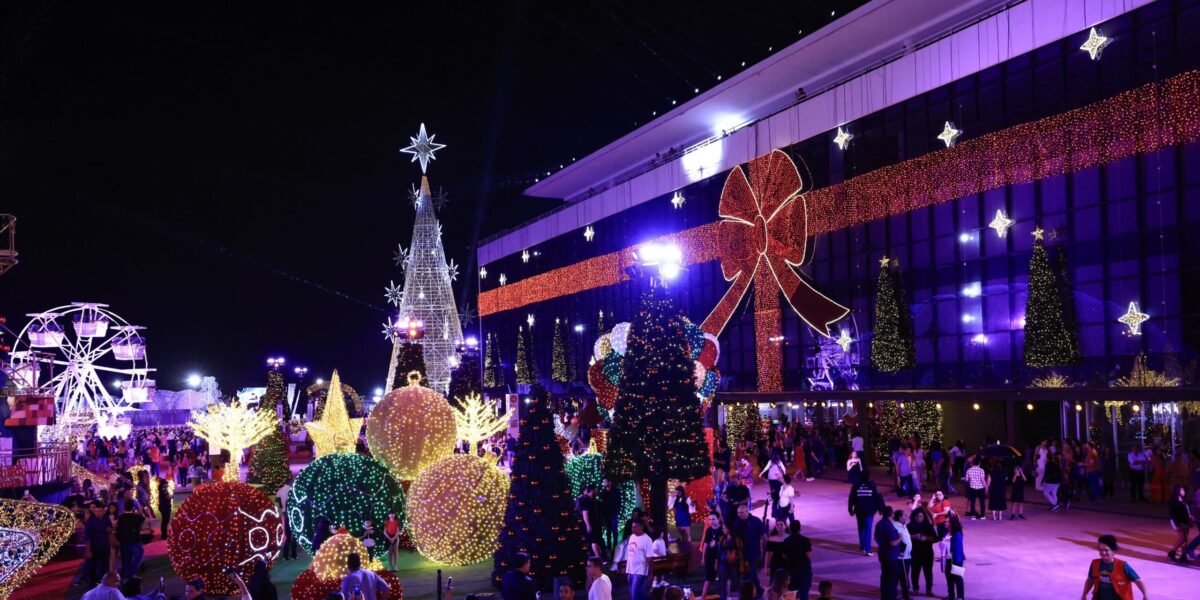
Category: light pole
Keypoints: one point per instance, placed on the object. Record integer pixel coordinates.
(275, 362)
(300, 403)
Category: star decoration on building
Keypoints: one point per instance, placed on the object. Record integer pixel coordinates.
(1095, 44)
(1001, 223)
(677, 200)
(524, 256)
(451, 271)
(883, 262)
(842, 139)
(949, 134)
(1038, 233)
(401, 257)
(589, 233)
(393, 293)
(466, 317)
(1134, 319)
(845, 340)
(503, 279)
(389, 330)
(414, 195)
(529, 319)
(422, 148)
(440, 199)
(335, 432)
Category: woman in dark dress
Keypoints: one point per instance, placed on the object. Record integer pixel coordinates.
(1018, 494)
(996, 484)
(711, 543)
(920, 528)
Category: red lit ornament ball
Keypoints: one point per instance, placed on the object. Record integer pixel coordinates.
(226, 524)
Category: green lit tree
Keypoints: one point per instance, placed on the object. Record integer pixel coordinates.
(658, 426)
(466, 378)
(560, 369)
(888, 426)
(269, 466)
(742, 424)
(411, 357)
(493, 366)
(923, 419)
(276, 394)
(892, 347)
(540, 518)
(526, 367)
(1049, 340)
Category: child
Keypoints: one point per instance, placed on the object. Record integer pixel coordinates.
(1018, 494)
(826, 590)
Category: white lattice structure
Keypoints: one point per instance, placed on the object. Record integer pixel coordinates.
(427, 295)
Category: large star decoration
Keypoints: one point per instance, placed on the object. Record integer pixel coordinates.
(1095, 44)
(335, 432)
(422, 148)
(1038, 233)
(949, 134)
(844, 341)
(1001, 223)
(842, 138)
(677, 200)
(1134, 319)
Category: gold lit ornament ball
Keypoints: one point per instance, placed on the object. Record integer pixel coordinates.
(457, 508)
(330, 561)
(410, 429)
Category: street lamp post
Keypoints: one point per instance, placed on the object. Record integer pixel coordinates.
(275, 362)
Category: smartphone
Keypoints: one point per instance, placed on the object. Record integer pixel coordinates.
(449, 582)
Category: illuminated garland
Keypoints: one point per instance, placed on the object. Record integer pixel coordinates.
(458, 507)
(344, 489)
(30, 535)
(221, 525)
(411, 428)
(1135, 122)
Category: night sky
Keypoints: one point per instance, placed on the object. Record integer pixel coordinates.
(231, 180)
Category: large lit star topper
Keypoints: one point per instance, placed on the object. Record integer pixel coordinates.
(1134, 318)
(1001, 223)
(1095, 44)
(335, 432)
(422, 148)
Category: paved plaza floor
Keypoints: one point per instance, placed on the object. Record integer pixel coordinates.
(1044, 557)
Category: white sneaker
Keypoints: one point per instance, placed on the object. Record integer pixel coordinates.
(811, 479)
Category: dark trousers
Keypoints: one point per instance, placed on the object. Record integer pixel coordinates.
(889, 578)
(905, 565)
(922, 561)
(776, 485)
(801, 582)
(165, 511)
(1137, 484)
(100, 558)
(906, 485)
(289, 546)
(1093, 481)
(131, 560)
(973, 495)
(954, 583)
(864, 531)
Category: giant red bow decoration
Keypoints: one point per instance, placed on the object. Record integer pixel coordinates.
(761, 238)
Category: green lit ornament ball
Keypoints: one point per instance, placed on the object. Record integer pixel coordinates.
(345, 490)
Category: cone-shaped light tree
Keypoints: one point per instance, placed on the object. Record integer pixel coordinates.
(892, 347)
(658, 427)
(540, 518)
(560, 368)
(493, 366)
(1049, 340)
(526, 367)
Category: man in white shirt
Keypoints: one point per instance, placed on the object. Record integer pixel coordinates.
(600, 586)
(638, 551)
(109, 588)
(901, 525)
(367, 583)
(1139, 459)
(976, 489)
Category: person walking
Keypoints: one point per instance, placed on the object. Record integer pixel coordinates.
(1018, 495)
(888, 542)
(683, 515)
(976, 490)
(923, 535)
(996, 482)
(905, 563)
(97, 531)
(1091, 465)
(360, 583)
(599, 586)
(164, 506)
(864, 502)
(1181, 522)
(904, 472)
(638, 551)
(774, 472)
(783, 508)
(1109, 576)
(797, 552)
(129, 534)
(956, 560)
(732, 563)
(1043, 455)
(1139, 461)
(752, 533)
(710, 550)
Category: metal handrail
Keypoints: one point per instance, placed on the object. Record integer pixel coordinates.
(29, 467)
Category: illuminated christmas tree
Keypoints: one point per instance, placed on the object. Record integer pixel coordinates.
(427, 296)
(560, 369)
(493, 366)
(276, 394)
(465, 379)
(408, 357)
(525, 365)
(1048, 339)
(923, 419)
(601, 326)
(892, 347)
(658, 427)
(888, 426)
(540, 518)
(269, 464)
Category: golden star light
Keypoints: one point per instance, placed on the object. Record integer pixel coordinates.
(842, 139)
(1001, 223)
(1134, 319)
(949, 134)
(422, 148)
(844, 341)
(677, 200)
(883, 262)
(1038, 233)
(335, 432)
(1095, 44)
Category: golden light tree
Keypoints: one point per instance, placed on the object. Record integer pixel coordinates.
(476, 420)
(233, 427)
(335, 432)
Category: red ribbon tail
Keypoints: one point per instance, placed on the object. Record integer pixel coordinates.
(719, 317)
(814, 307)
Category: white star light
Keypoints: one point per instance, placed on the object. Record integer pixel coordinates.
(949, 134)
(503, 279)
(844, 341)
(1001, 223)
(842, 138)
(524, 256)
(414, 195)
(1134, 319)
(452, 271)
(422, 148)
(589, 233)
(1095, 44)
(677, 200)
(389, 330)
(393, 293)
(401, 257)
(529, 319)
(483, 272)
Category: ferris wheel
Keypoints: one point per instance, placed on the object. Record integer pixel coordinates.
(65, 350)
